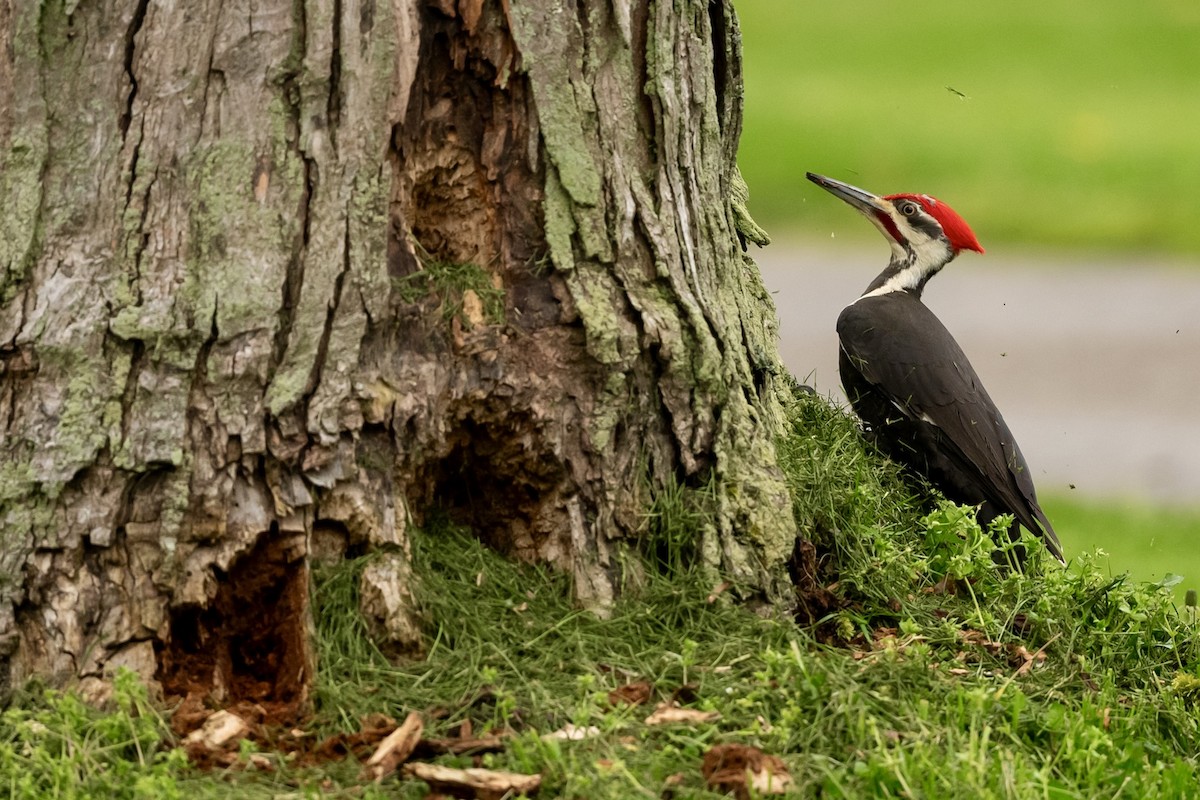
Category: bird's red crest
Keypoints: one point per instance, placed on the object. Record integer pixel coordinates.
(956, 228)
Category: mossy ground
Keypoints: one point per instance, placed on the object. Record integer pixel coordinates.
(934, 673)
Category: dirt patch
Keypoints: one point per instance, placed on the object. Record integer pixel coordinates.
(248, 649)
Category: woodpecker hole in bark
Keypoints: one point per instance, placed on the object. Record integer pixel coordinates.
(500, 480)
(468, 190)
(249, 645)
(463, 136)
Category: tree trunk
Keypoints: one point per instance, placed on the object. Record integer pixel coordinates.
(278, 277)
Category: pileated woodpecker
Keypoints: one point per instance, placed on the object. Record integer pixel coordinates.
(909, 380)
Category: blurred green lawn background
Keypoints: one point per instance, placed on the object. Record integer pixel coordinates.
(1068, 124)
(1080, 124)
(1148, 542)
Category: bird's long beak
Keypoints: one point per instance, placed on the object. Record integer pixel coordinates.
(863, 200)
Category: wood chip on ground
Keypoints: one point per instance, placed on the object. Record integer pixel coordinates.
(669, 714)
(484, 784)
(395, 749)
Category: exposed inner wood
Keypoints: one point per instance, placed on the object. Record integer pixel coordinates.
(249, 642)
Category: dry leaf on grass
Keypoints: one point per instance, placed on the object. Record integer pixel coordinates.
(634, 694)
(1038, 657)
(484, 784)
(669, 714)
(1025, 660)
(395, 749)
(742, 770)
(971, 636)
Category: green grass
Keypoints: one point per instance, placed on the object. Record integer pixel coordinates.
(1149, 542)
(53, 745)
(910, 685)
(448, 282)
(1078, 129)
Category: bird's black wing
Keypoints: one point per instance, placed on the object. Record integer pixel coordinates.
(905, 354)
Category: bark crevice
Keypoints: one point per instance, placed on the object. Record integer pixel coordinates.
(333, 102)
(135, 26)
(293, 281)
(331, 314)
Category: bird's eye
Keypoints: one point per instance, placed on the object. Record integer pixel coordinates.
(908, 209)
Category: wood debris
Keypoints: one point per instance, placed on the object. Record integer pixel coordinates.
(484, 784)
(472, 308)
(218, 730)
(572, 733)
(670, 714)
(395, 749)
(476, 744)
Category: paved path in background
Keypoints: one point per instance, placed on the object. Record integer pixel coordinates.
(1095, 364)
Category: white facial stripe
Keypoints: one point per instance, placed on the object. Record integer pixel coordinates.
(925, 253)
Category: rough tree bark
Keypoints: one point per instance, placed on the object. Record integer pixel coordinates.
(280, 276)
